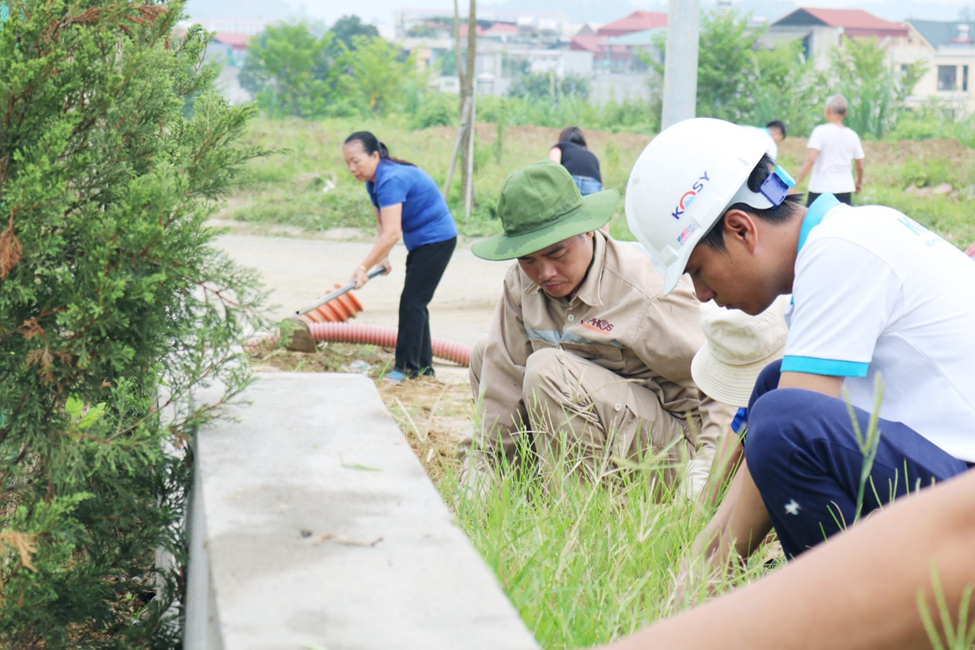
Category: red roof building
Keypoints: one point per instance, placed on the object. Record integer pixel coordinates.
(638, 21)
(586, 43)
(606, 55)
(233, 41)
(854, 22)
(464, 28)
(500, 31)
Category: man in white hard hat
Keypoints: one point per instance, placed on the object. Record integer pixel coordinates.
(584, 356)
(875, 296)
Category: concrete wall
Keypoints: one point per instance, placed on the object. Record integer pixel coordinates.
(620, 87)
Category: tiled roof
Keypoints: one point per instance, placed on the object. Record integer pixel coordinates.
(501, 28)
(940, 34)
(855, 22)
(587, 43)
(638, 21)
(236, 41)
(478, 30)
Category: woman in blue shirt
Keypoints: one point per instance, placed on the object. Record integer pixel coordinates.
(408, 204)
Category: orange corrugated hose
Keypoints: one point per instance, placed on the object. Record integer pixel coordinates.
(386, 337)
(328, 323)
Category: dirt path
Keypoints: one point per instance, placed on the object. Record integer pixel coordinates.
(297, 270)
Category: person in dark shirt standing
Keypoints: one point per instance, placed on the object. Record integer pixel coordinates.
(408, 205)
(582, 164)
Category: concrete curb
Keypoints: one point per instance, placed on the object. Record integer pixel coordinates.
(313, 525)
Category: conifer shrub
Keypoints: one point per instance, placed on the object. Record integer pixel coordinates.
(114, 307)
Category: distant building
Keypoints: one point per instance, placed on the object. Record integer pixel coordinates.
(947, 50)
(620, 47)
(822, 30)
(618, 55)
(515, 43)
(638, 21)
(229, 49)
(498, 65)
(527, 27)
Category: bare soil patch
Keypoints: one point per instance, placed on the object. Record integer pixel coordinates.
(433, 414)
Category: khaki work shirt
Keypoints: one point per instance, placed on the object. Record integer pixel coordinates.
(620, 320)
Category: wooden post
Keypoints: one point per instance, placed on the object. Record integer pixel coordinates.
(464, 112)
(470, 90)
(469, 187)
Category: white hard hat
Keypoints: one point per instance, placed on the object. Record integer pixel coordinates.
(686, 179)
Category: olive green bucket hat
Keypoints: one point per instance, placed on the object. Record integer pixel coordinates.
(539, 206)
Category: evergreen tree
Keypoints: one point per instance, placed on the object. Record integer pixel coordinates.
(114, 306)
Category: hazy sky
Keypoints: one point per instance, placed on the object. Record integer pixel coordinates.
(381, 11)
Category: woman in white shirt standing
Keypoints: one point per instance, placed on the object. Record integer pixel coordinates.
(832, 147)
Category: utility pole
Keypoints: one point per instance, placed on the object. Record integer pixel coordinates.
(680, 62)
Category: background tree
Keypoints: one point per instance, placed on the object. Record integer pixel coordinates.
(298, 69)
(345, 30)
(787, 88)
(114, 307)
(288, 70)
(726, 68)
(374, 77)
(860, 70)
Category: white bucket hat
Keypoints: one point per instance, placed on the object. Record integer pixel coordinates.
(738, 348)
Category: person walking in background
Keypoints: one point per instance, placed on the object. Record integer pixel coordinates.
(408, 204)
(573, 154)
(832, 147)
(775, 130)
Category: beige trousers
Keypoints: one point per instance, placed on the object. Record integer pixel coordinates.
(590, 417)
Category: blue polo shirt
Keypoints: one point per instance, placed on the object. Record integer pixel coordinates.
(426, 218)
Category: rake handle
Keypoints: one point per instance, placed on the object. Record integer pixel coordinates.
(335, 294)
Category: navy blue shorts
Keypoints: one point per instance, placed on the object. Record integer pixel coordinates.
(803, 453)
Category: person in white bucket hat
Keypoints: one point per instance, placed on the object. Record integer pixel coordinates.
(875, 296)
(737, 348)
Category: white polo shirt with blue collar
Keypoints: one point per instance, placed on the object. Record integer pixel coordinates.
(877, 293)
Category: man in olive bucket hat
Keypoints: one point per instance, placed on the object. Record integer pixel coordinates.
(585, 353)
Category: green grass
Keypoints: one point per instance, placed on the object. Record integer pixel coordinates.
(287, 188)
(582, 563)
(585, 563)
(901, 174)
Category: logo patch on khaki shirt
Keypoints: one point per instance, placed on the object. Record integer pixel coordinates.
(598, 325)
